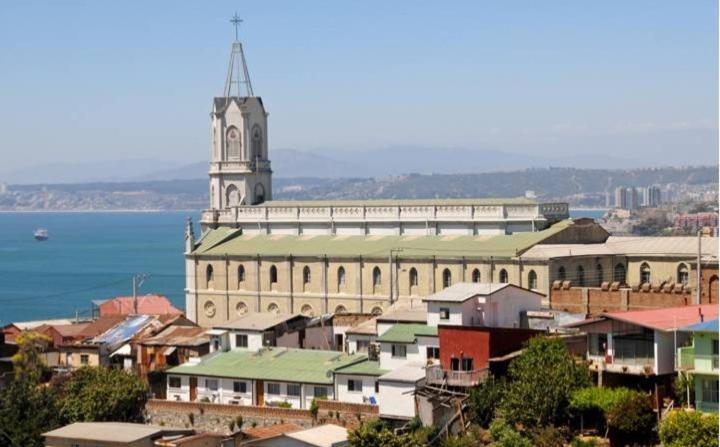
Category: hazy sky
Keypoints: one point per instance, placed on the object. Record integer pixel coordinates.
(103, 80)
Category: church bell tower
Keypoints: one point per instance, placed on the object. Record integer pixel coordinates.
(240, 171)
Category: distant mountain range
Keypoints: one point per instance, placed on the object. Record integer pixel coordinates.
(290, 163)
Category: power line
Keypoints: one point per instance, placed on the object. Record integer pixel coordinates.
(59, 294)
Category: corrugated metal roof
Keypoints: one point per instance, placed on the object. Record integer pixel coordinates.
(260, 321)
(463, 291)
(410, 372)
(326, 435)
(706, 326)
(366, 368)
(279, 364)
(407, 333)
(176, 335)
(630, 246)
(666, 319)
(232, 242)
(120, 432)
(270, 430)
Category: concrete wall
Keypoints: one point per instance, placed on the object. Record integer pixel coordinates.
(398, 399)
(361, 396)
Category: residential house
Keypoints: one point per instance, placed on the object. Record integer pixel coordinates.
(141, 305)
(258, 330)
(327, 435)
(700, 362)
(359, 383)
(172, 346)
(110, 434)
(270, 376)
(80, 352)
(475, 323)
(363, 335)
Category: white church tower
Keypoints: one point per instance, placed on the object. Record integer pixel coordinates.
(240, 171)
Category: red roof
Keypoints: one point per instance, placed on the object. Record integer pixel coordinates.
(146, 305)
(269, 431)
(668, 318)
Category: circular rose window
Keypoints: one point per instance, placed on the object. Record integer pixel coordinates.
(241, 308)
(209, 308)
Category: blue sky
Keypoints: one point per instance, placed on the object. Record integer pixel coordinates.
(101, 80)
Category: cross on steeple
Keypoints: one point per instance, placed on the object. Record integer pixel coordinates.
(236, 21)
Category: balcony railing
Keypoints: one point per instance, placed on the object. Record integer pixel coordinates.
(436, 375)
(689, 361)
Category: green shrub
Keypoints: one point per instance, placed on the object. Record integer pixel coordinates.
(314, 408)
(239, 422)
(631, 420)
(578, 442)
(284, 404)
(503, 435)
(689, 428)
(484, 400)
(547, 437)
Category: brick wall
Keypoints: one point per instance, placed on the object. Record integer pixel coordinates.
(593, 300)
(217, 418)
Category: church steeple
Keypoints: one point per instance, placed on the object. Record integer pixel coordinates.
(238, 75)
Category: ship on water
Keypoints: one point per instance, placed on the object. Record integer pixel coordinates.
(41, 234)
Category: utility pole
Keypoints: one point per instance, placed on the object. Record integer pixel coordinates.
(698, 280)
(134, 290)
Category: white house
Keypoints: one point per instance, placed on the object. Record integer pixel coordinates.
(258, 330)
(481, 304)
(359, 382)
(397, 390)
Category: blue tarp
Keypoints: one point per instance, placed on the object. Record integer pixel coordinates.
(122, 332)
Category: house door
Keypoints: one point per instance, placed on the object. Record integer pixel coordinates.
(193, 389)
(259, 393)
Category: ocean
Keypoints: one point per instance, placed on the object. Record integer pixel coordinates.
(93, 256)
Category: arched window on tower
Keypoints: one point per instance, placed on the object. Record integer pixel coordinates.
(209, 277)
(580, 275)
(377, 279)
(259, 194)
(503, 276)
(682, 274)
(645, 274)
(447, 278)
(232, 196)
(532, 280)
(341, 278)
(476, 275)
(619, 273)
(232, 138)
(413, 280)
(257, 143)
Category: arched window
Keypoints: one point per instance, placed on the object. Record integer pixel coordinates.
(273, 308)
(447, 278)
(580, 275)
(413, 277)
(209, 277)
(619, 273)
(377, 310)
(257, 143)
(307, 310)
(476, 275)
(377, 279)
(341, 278)
(532, 280)
(599, 274)
(233, 143)
(241, 275)
(503, 276)
(259, 194)
(232, 196)
(340, 310)
(273, 274)
(682, 274)
(644, 273)
(561, 274)
(306, 275)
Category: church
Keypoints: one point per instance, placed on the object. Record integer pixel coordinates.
(256, 254)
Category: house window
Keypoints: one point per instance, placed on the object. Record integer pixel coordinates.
(211, 384)
(399, 351)
(354, 385)
(209, 277)
(273, 275)
(239, 387)
(461, 364)
(84, 359)
(273, 388)
(362, 346)
(476, 275)
(682, 274)
(293, 389)
(341, 278)
(580, 275)
(447, 278)
(433, 352)
(597, 344)
(645, 273)
(503, 276)
(710, 390)
(444, 313)
(241, 274)
(241, 341)
(320, 391)
(377, 386)
(715, 353)
(413, 277)
(174, 382)
(561, 273)
(619, 273)
(532, 280)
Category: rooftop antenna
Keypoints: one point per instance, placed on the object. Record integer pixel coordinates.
(238, 75)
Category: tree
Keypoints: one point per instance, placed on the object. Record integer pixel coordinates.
(26, 411)
(27, 361)
(503, 435)
(484, 400)
(685, 428)
(103, 394)
(631, 420)
(378, 434)
(541, 381)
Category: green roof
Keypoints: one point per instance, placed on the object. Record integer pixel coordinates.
(275, 364)
(366, 368)
(223, 241)
(403, 202)
(407, 333)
